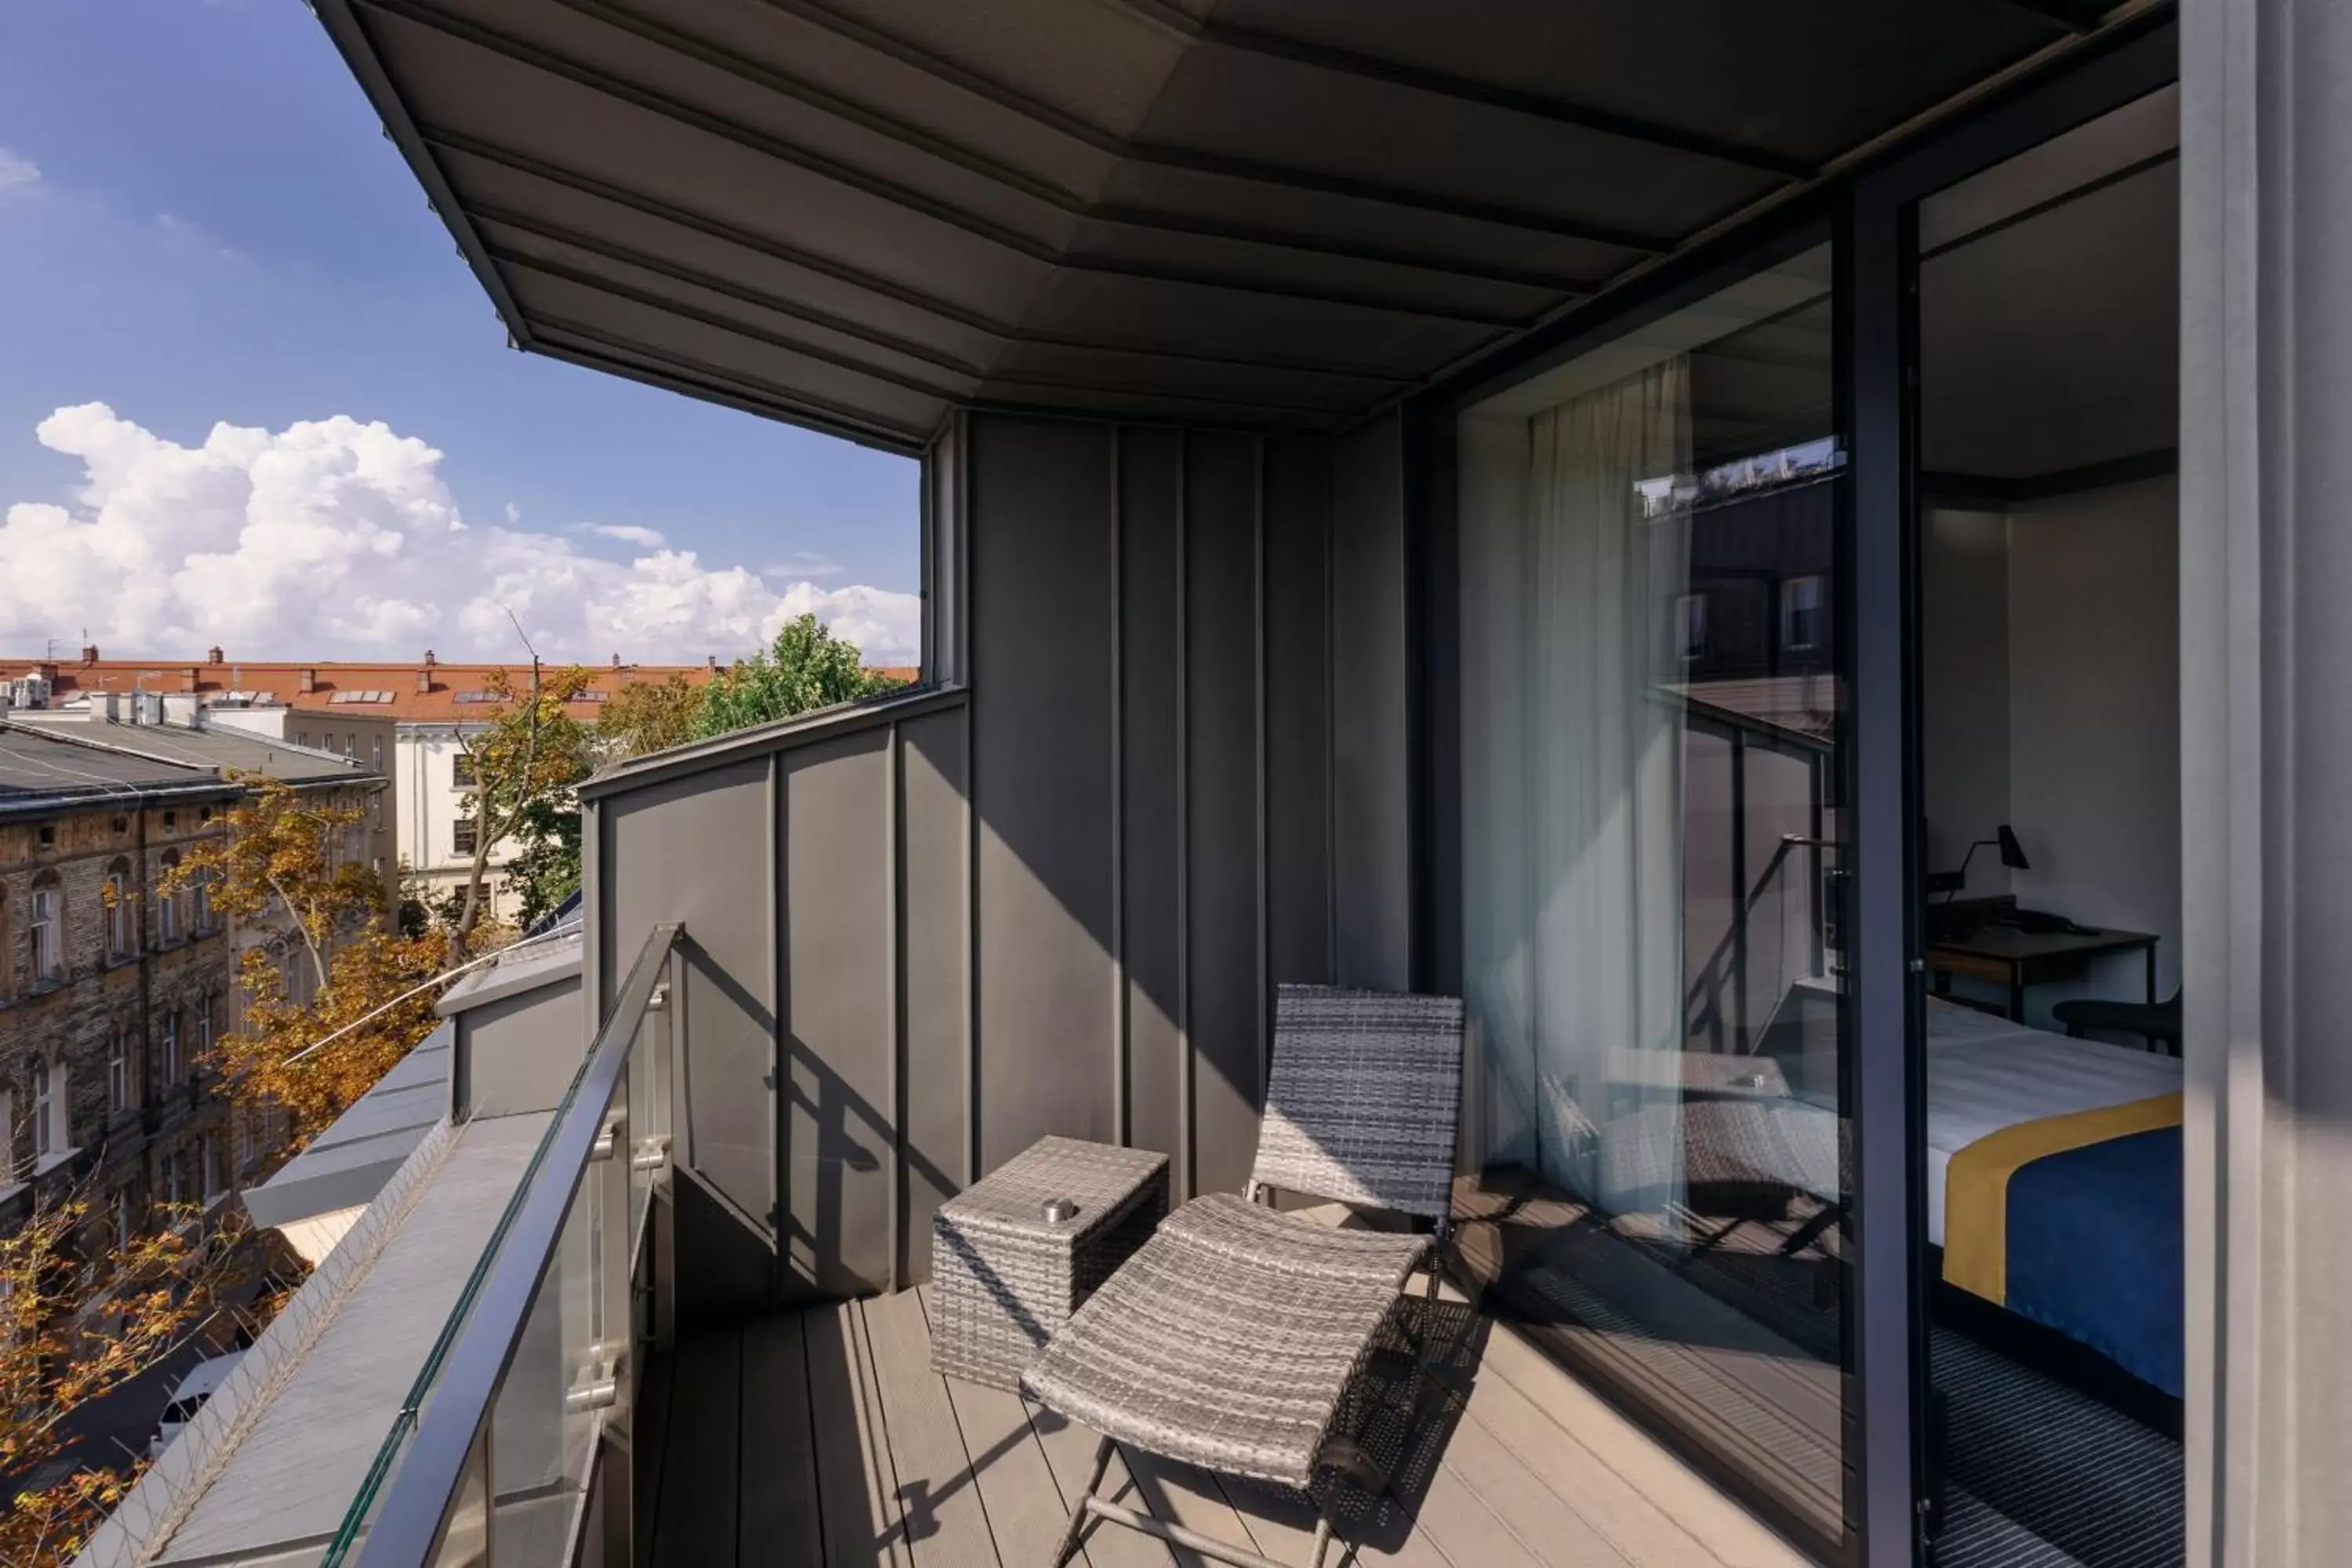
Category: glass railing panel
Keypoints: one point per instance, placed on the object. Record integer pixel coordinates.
(564, 1348)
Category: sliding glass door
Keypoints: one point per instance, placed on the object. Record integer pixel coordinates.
(1653, 720)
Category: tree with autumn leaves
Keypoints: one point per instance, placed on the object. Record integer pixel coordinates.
(279, 866)
(82, 1314)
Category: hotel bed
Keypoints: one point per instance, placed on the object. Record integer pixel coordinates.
(2055, 1182)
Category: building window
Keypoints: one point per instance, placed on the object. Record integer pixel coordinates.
(1690, 625)
(118, 911)
(167, 904)
(45, 1088)
(200, 900)
(170, 819)
(208, 1169)
(461, 771)
(175, 1177)
(375, 752)
(45, 933)
(468, 836)
(247, 1152)
(120, 825)
(9, 1170)
(118, 1074)
(123, 1215)
(204, 1029)
(46, 836)
(172, 1047)
(1801, 613)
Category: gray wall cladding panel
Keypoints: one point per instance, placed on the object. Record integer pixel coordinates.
(1043, 597)
(1224, 938)
(1371, 869)
(1151, 752)
(696, 850)
(1298, 679)
(1058, 903)
(840, 1116)
(935, 860)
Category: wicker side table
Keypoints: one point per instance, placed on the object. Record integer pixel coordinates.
(1005, 1277)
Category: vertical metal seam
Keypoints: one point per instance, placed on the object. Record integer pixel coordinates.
(970, 673)
(1122, 1112)
(1264, 771)
(1185, 1090)
(779, 1005)
(894, 925)
(1330, 716)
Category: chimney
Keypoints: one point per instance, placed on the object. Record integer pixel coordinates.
(192, 684)
(424, 675)
(213, 655)
(309, 681)
(90, 653)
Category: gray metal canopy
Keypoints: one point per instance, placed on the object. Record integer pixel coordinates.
(858, 214)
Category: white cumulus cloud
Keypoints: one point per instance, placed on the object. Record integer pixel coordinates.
(332, 539)
(18, 172)
(627, 533)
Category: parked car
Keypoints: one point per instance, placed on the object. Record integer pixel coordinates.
(189, 1397)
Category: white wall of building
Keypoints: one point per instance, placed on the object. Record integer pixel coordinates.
(430, 811)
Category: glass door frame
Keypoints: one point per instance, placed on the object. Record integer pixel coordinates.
(1870, 215)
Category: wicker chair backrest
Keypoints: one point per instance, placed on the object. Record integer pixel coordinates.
(1363, 1096)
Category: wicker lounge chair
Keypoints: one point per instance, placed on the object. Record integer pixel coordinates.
(1232, 1339)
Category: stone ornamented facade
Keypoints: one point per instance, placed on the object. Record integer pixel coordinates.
(112, 994)
(110, 997)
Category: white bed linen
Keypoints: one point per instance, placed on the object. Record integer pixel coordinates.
(1986, 1073)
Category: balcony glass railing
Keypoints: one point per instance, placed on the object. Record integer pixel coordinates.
(520, 1413)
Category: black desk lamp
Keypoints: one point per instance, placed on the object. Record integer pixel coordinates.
(2012, 855)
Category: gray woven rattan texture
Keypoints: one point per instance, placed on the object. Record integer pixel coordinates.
(1230, 1341)
(1005, 1279)
(1361, 1101)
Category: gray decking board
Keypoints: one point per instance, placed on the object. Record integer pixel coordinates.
(1069, 1452)
(857, 1487)
(940, 1514)
(849, 1452)
(777, 1515)
(703, 1458)
(1026, 1510)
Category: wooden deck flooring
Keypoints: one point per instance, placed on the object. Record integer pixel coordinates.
(823, 1439)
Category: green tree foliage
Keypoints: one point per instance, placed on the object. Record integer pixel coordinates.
(528, 760)
(545, 867)
(649, 716)
(806, 668)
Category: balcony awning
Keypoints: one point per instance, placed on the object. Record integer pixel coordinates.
(858, 214)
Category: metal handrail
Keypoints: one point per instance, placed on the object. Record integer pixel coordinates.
(456, 1388)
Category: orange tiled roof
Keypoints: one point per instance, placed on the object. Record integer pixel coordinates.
(411, 692)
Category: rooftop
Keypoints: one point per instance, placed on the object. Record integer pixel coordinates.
(42, 771)
(427, 690)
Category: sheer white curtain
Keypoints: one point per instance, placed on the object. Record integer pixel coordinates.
(1572, 806)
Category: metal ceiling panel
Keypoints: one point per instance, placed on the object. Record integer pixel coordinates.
(1281, 214)
(1436, 153)
(1799, 80)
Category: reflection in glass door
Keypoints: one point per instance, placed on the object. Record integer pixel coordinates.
(1652, 718)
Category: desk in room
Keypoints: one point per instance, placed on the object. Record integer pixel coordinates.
(2016, 959)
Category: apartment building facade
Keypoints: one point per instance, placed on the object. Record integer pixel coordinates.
(407, 724)
(112, 992)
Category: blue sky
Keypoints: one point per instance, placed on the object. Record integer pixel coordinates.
(201, 223)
